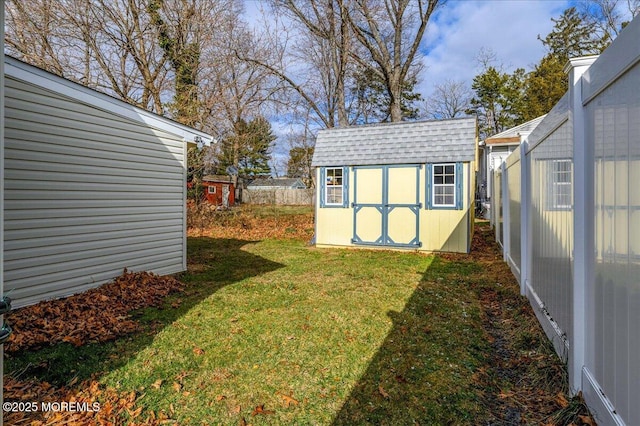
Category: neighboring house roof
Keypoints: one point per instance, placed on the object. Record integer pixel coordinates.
(513, 135)
(56, 84)
(397, 143)
(277, 183)
(217, 178)
(554, 119)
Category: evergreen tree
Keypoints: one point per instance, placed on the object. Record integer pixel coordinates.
(299, 164)
(573, 35)
(374, 102)
(247, 149)
(498, 100)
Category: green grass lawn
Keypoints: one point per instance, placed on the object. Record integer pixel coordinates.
(277, 332)
(314, 337)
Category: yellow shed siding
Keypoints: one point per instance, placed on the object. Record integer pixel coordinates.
(438, 229)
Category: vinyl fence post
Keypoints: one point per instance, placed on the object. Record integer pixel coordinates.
(506, 216)
(525, 205)
(583, 220)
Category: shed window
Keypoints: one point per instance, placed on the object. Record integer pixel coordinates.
(444, 186)
(211, 189)
(560, 187)
(334, 187)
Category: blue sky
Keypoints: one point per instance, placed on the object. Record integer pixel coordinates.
(509, 28)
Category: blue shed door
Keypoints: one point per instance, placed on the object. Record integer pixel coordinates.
(386, 205)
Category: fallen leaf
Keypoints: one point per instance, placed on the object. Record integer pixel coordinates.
(237, 409)
(562, 401)
(587, 420)
(220, 397)
(198, 351)
(181, 375)
(157, 384)
(75, 341)
(384, 394)
(177, 386)
(260, 410)
(289, 400)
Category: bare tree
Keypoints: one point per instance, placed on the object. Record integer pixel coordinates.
(35, 33)
(309, 45)
(450, 99)
(232, 89)
(173, 57)
(301, 147)
(611, 16)
(329, 33)
(107, 45)
(389, 32)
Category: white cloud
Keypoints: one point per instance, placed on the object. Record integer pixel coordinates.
(510, 28)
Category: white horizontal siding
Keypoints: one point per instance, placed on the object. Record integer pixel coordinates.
(87, 194)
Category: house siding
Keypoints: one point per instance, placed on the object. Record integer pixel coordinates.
(87, 193)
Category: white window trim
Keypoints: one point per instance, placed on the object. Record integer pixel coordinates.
(435, 185)
(327, 186)
(555, 185)
(209, 189)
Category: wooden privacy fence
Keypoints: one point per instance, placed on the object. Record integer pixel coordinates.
(290, 197)
(568, 217)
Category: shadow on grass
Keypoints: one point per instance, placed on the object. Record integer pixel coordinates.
(212, 265)
(423, 372)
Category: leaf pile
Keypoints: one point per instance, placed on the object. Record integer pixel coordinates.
(113, 409)
(247, 224)
(97, 315)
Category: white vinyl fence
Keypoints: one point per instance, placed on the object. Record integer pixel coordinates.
(568, 218)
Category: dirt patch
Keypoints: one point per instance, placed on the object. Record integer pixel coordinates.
(525, 381)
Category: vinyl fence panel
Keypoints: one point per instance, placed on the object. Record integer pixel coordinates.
(579, 233)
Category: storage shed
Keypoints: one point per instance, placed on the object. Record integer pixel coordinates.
(220, 190)
(397, 185)
(93, 185)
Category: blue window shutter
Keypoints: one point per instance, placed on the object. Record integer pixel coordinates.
(427, 181)
(459, 192)
(345, 186)
(323, 185)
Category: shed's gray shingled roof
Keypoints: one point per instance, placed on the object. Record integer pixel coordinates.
(397, 143)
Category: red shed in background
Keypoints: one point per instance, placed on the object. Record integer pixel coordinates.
(220, 190)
